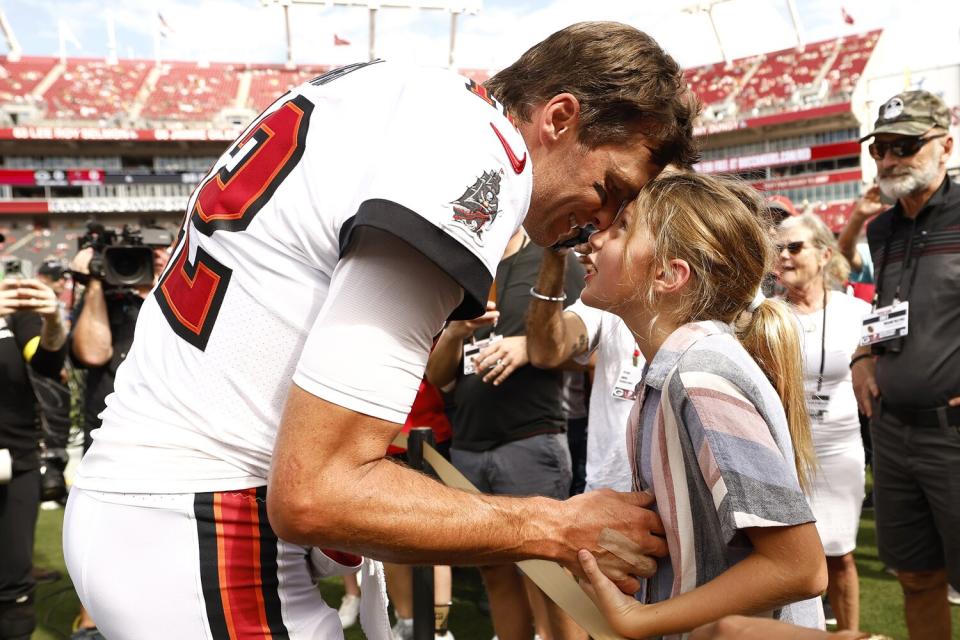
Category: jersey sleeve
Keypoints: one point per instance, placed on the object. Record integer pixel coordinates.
(451, 177)
(368, 346)
(752, 482)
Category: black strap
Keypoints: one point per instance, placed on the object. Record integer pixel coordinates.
(823, 341)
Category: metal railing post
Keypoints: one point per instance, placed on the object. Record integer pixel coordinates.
(423, 614)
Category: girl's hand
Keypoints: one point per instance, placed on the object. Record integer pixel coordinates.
(623, 612)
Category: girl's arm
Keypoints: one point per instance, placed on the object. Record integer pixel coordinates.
(787, 565)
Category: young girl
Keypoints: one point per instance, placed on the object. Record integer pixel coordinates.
(719, 433)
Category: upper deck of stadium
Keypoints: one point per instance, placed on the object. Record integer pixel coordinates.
(138, 93)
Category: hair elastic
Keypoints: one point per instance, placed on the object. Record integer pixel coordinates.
(757, 301)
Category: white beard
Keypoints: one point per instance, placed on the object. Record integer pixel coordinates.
(917, 179)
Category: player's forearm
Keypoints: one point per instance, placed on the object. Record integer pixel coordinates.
(418, 520)
(445, 358)
(547, 345)
(92, 340)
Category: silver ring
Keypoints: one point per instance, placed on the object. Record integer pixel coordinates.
(499, 361)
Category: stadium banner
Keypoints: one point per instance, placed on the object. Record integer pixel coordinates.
(118, 133)
(778, 158)
(795, 182)
(51, 177)
(95, 177)
(140, 204)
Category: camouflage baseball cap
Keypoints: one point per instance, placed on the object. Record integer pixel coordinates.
(911, 113)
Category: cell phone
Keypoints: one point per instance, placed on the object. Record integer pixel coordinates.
(581, 237)
(12, 268)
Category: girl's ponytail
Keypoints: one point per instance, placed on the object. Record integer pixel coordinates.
(770, 336)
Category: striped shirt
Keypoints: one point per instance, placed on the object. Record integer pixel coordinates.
(709, 437)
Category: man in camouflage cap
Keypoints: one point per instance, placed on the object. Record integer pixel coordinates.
(909, 385)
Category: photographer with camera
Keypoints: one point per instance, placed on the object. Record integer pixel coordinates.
(118, 268)
(32, 336)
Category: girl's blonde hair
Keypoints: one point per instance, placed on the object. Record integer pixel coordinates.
(837, 269)
(721, 228)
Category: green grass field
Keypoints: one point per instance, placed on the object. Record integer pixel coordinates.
(881, 603)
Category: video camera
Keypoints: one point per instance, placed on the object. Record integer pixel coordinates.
(122, 257)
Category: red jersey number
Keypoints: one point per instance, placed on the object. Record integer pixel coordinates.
(190, 295)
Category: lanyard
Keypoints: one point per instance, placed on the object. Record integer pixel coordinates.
(907, 264)
(823, 341)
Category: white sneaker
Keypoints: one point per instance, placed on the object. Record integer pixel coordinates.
(403, 629)
(952, 596)
(349, 610)
(445, 636)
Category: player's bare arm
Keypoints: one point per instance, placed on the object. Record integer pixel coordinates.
(360, 502)
(553, 335)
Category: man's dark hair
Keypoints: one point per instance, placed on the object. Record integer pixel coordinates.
(626, 84)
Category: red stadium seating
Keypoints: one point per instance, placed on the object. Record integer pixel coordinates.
(769, 81)
(780, 73)
(716, 82)
(18, 79)
(846, 70)
(189, 94)
(269, 82)
(186, 91)
(95, 90)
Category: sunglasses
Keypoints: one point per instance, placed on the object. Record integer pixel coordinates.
(902, 148)
(793, 247)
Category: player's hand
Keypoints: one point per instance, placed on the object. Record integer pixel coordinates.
(33, 295)
(869, 205)
(465, 328)
(619, 531)
(623, 612)
(502, 358)
(865, 385)
(81, 261)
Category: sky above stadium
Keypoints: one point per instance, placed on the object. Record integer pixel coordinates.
(247, 31)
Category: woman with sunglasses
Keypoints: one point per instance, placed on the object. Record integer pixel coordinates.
(811, 268)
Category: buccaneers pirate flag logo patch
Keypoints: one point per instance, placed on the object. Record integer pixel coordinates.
(478, 207)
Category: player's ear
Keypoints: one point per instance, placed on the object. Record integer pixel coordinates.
(559, 119)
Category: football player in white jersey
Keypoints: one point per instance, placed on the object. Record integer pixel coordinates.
(281, 350)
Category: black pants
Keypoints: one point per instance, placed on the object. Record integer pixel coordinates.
(577, 441)
(19, 506)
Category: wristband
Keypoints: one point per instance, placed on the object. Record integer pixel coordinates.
(539, 296)
(860, 357)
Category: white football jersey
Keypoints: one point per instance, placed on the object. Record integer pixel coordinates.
(425, 155)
